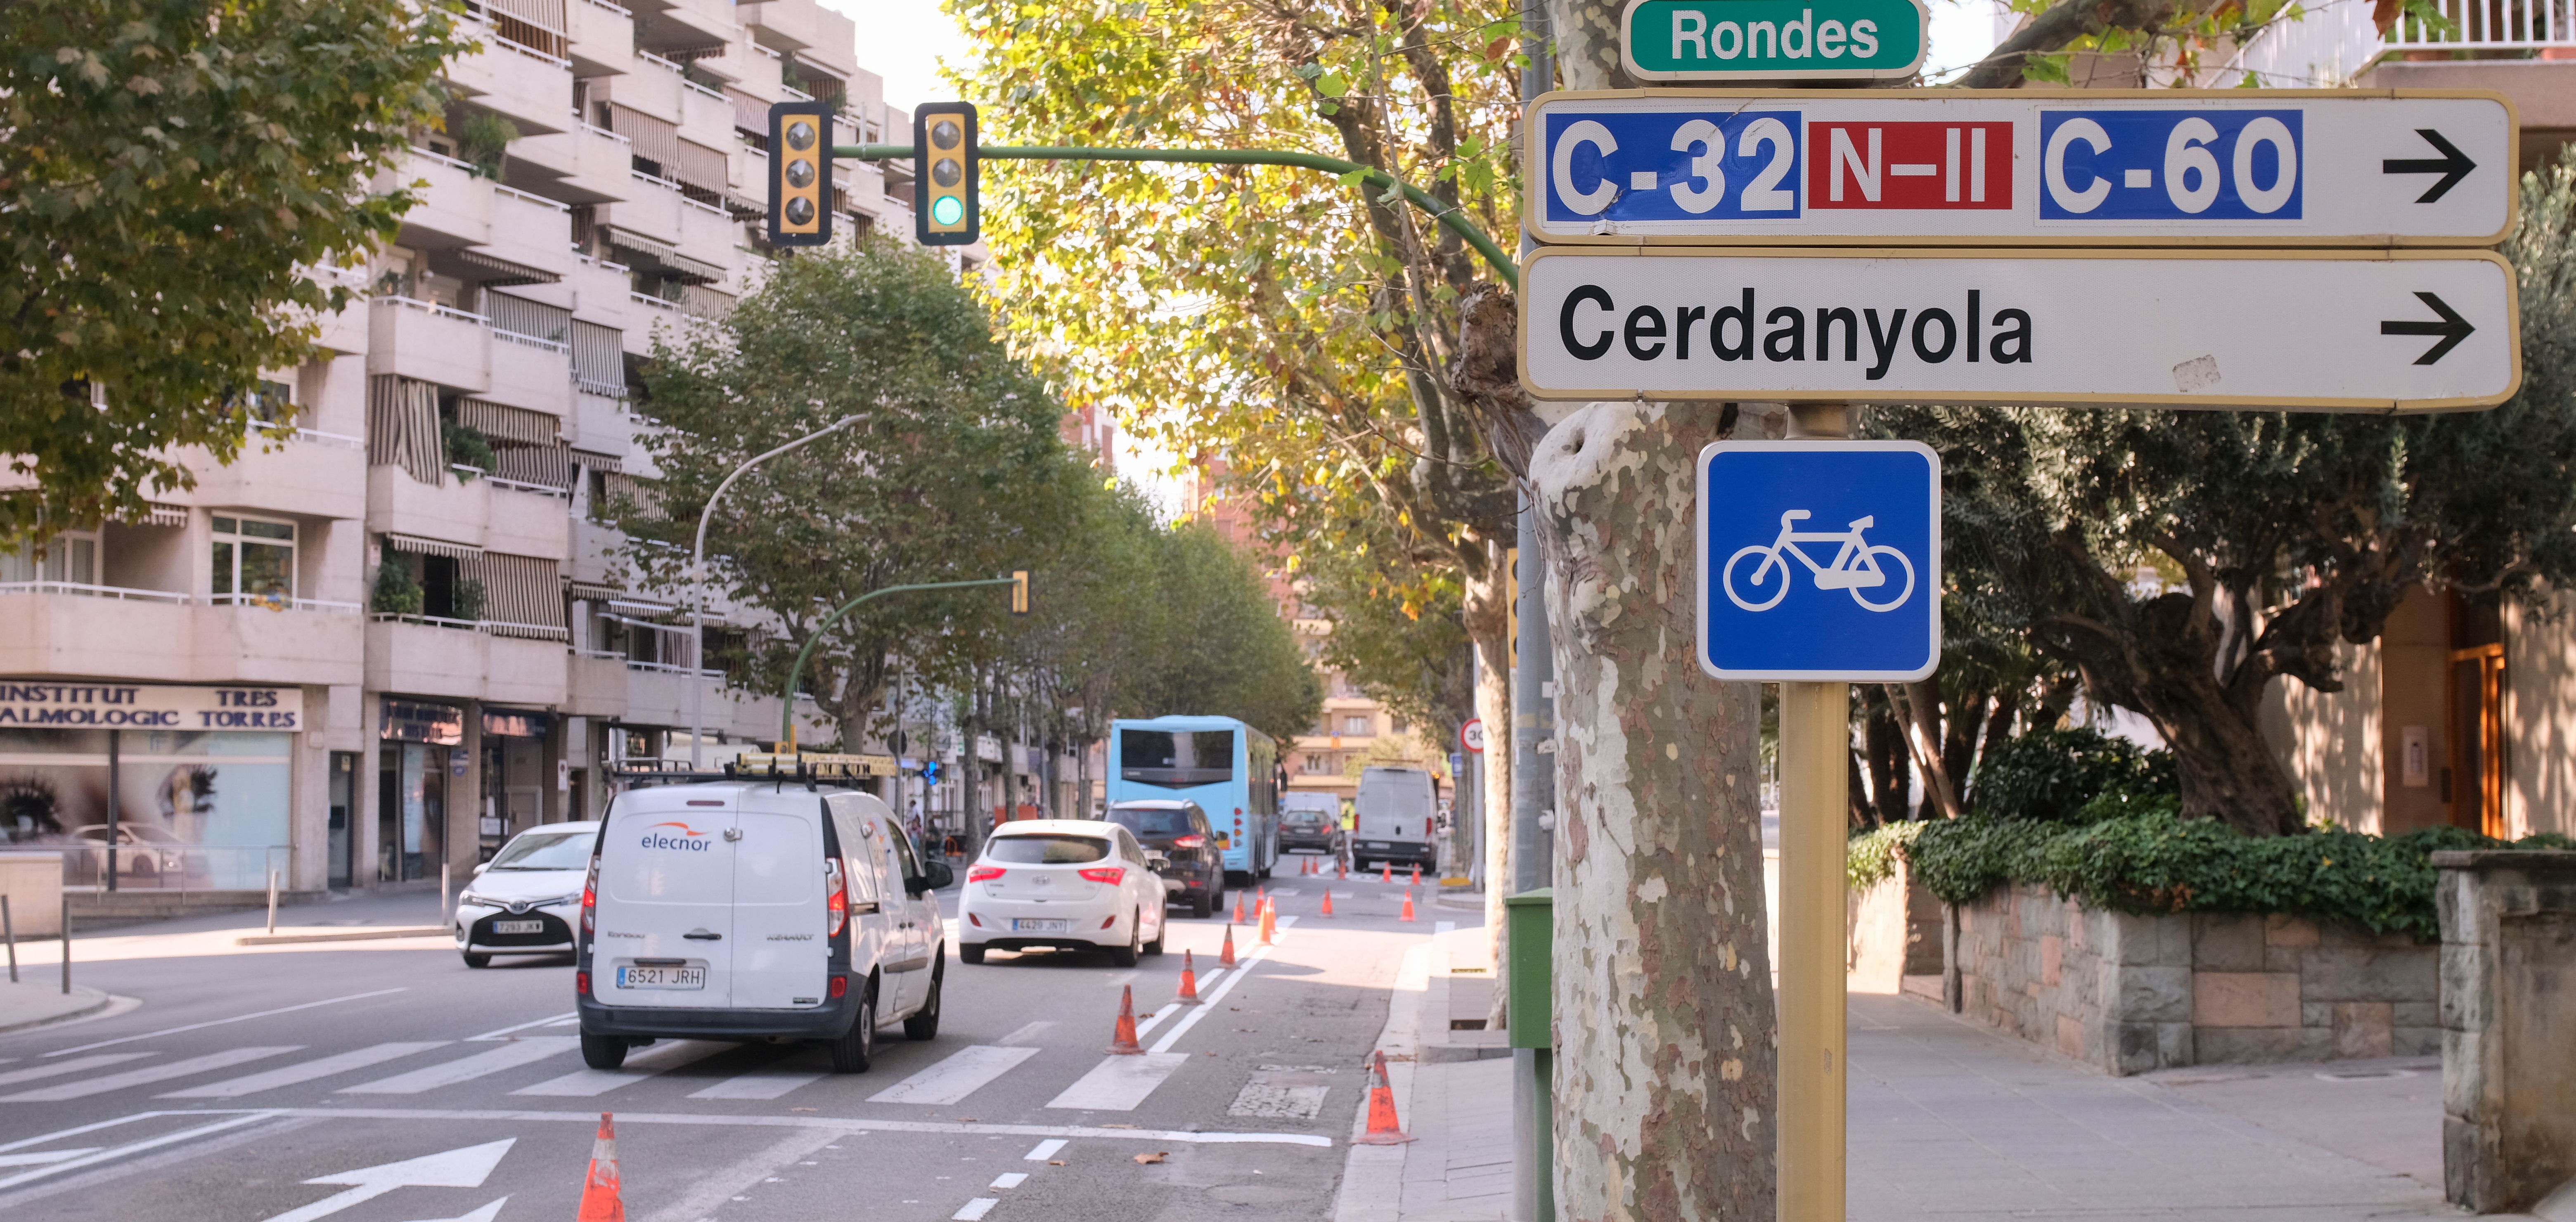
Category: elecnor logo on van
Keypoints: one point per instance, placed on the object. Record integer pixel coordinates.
(690, 839)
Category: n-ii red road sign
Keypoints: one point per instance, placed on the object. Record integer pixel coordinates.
(2021, 167)
(2316, 330)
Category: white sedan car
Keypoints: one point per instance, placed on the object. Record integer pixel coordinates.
(527, 900)
(1079, 884)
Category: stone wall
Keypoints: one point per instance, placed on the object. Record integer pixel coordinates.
(2134, 993)
(1895, 932)
(2509, 1026)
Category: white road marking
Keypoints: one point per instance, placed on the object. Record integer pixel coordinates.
(585, 1083)
(1044, 1150)
(506, 1032)
(75, 1065)
(1439, 927)
(959, 1075)
(1119, 1083)
(464, 1167)
(238, 1018)
(140, 1077)
(761, 1084)
(113, 1153)
(1209, 999)
(974, 1211)
(526, 1051)
(1028, 1033)
(1010, 1179)
(42, 1157)
(233, 1088)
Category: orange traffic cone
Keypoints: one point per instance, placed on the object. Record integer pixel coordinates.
(1238, 907)
(1408, 906)
(1328, 901)
(1341, 869)
(1189, 981)
(1122, 1038)
(1417, 875)
(599, 1202)
(1225, 958)
(1269, 922)
(1382, 1127)
(1386, 871)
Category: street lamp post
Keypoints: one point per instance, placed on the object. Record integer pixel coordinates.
(698, 586)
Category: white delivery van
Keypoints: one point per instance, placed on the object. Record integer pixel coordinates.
(756, 910)
(1397, 808)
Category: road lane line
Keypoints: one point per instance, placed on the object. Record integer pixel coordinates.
(526, 1051)
(585, 1083)
(1009, 1179)
(840, 1124)
(75, 1065)
(238, 1018)
(156, 1073)
(955, 1077)
(1146, 1025)
(1028, 1033)
(43, 1157)
(374, 1054)
(1044, 1150)
(506, 1032)
(761, 1084)
(974, 1211)
(1119, 1083)
(1208, 1000)
(712, 1191)
(149, 1143)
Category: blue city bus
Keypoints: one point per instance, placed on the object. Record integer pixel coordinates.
(1230, 769)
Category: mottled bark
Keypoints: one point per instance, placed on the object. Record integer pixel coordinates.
(1665, 1068)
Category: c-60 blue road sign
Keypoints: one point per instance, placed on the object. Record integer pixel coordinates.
(1820, 561)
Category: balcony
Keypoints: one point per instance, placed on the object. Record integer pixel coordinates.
(429, 343)
(483, 513)
(531, 231)
(596, 685)
(823, 38)
(455, 209)
(421, 656)
(658, 695)
(589, 163)
(532, 373)
(307, 472)
(68, 629)
(602, 36)
(527, 85)
(596, 554)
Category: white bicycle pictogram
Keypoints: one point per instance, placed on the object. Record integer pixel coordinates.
(1855, 566)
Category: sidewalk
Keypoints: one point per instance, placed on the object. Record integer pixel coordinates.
(1953, 1122)
(38, 998)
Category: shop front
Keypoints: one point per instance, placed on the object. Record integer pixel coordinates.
(516, 774)
(420, 752)
(148, 786)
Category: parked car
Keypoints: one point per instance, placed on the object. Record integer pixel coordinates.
(1193, 869)
(526, 900)
(1311, 821)
(1075, 884)
(753, 910)
(1396, 808)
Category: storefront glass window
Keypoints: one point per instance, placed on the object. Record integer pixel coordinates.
(199, 809)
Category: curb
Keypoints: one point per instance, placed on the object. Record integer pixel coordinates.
(95, 1002)
(345, 935)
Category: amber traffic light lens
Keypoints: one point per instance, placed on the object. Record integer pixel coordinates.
(800, 211)
(800, 173)
(800, 135)
(945, 133)
(947, 173)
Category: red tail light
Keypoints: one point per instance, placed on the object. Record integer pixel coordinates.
(840, 987)
(982, 874)
(590, 906)
(838, 904)
(1188, 842)
(1104, 874)
(581, 984)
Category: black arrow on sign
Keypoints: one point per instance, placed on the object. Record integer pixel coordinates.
(2452, 329)
(2453, 165)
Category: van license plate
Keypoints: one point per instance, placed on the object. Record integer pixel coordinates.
(1026, 925)
(518, 927)
(661, 977)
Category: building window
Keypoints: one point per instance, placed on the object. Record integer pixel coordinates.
(254, 560)
(1318, 763)
(1395, 725)
(71, 557)
(1356, 725)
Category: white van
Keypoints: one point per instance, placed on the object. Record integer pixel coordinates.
(756, 910)
(1397, 808)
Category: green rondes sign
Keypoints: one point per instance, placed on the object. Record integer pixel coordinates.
(1749, 41)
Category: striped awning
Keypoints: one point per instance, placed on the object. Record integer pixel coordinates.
(599, 462)
(431, 547)
(503, 423)
(156, 513)
(663, 253)
(522, 595)
(495, 271)
(591, 591)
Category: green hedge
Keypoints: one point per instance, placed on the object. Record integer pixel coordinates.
(2148, 859)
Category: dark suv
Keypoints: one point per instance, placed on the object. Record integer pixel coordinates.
(1310, 829)
(1179, 830)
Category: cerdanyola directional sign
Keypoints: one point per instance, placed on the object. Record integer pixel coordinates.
(2021, 167)
(2356, 330)
(1773, 40)
(1820, 560)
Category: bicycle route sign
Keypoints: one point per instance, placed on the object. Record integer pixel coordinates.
(1820, 561)
(2025, 167)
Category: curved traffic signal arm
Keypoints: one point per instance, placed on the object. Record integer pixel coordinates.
(946, 164)
(800, 174)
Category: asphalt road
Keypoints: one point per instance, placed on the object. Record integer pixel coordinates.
(246, 1075)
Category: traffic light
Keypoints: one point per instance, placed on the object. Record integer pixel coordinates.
(944, 170)
(800, 174)
(1019, 591)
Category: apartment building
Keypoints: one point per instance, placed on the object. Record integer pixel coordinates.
(396, 633)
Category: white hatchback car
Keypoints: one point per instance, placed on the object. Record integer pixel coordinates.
(1074, 883)
(527, 899)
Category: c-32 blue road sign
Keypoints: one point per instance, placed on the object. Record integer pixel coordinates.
(1820, 561)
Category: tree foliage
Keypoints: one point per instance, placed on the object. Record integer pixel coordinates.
(170, 173)
(2288, 535)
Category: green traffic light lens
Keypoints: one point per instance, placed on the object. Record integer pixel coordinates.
(947, 210)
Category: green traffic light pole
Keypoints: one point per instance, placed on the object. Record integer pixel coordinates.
(787, 714)
(1452, 219)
